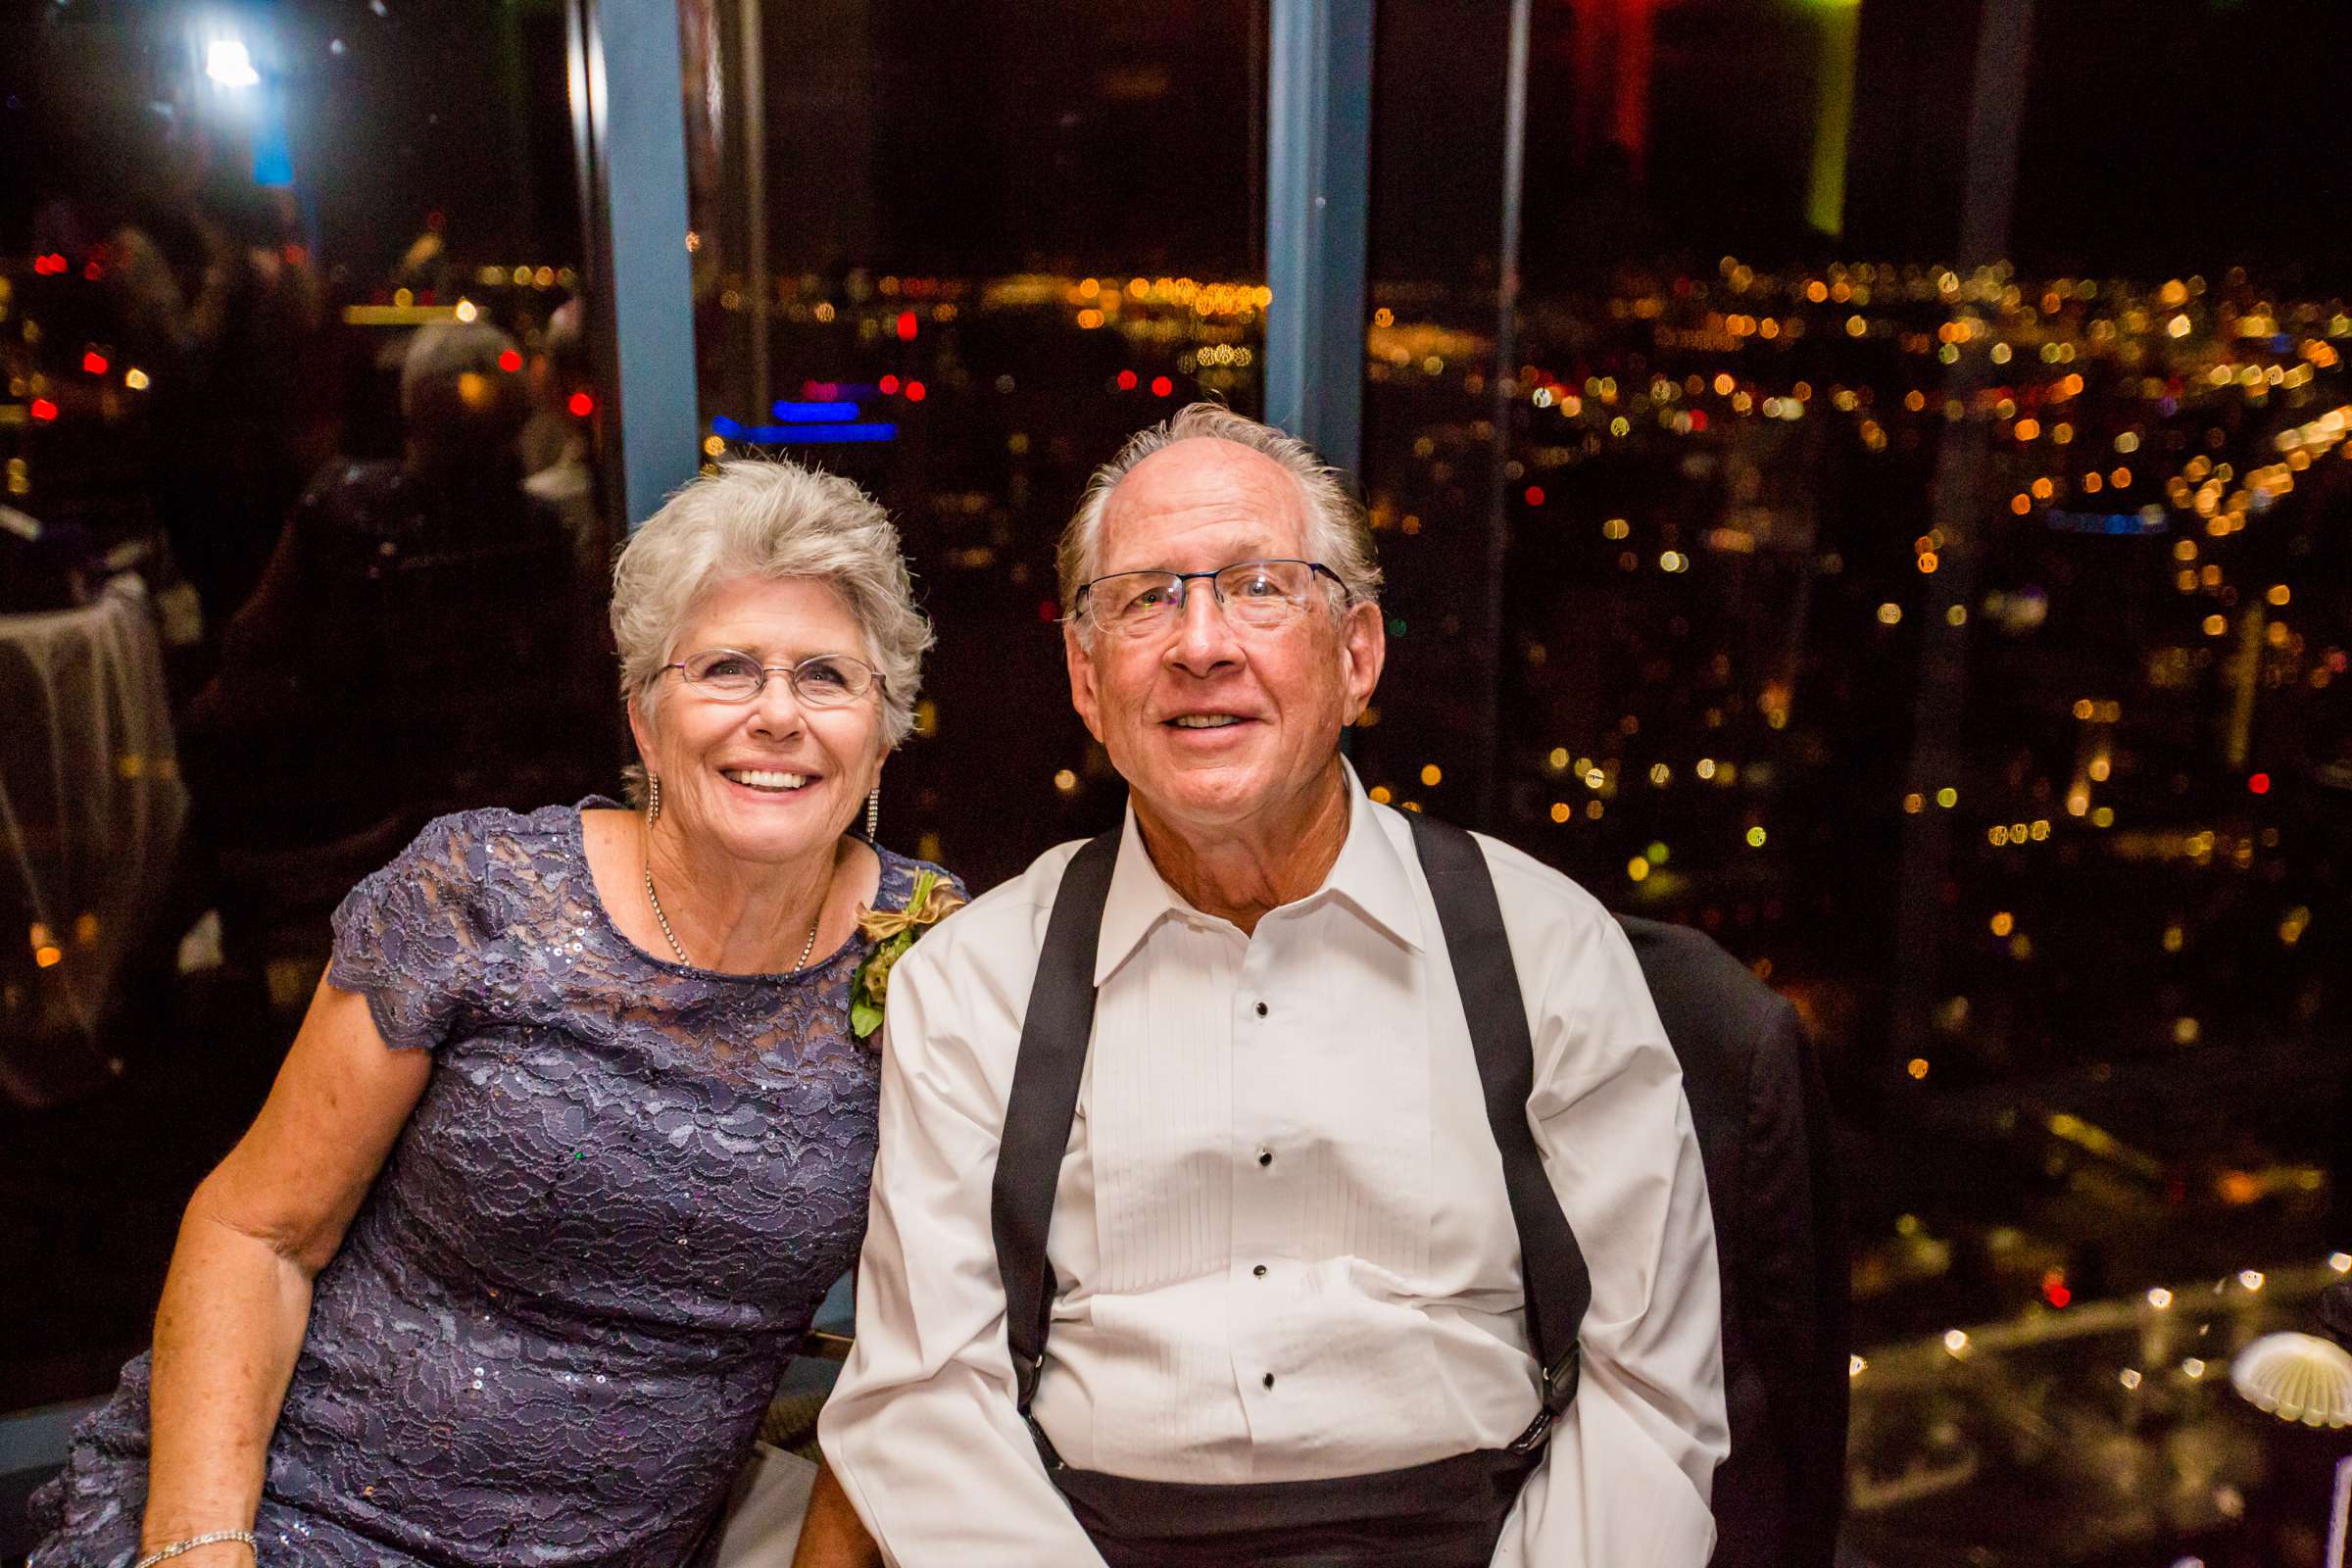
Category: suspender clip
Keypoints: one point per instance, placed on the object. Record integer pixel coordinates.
(1561, 1378)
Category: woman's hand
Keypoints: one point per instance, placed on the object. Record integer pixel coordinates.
(220, 1555)
(831, 1536)
(238, 1295)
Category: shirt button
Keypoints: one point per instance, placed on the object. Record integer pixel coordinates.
(1265, 1156)
(1261, 1009)
(1260, 1271)
(1269, 1380)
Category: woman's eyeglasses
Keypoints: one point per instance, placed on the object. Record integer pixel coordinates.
(821, 680)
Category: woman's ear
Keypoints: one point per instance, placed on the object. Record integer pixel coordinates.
(640, 731)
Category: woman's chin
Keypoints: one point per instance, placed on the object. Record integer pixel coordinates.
(773, 833)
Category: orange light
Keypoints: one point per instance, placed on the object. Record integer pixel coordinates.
(48, 958)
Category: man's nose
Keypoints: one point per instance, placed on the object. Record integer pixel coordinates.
(1205, 639)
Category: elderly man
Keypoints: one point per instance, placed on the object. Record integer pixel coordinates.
(1246, 1173)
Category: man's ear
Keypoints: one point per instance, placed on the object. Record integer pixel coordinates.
(1363, 654)
(1080, 663)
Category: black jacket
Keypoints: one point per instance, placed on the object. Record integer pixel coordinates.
(1763, 1126)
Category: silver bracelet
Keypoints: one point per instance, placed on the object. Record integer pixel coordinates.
(211, 1538)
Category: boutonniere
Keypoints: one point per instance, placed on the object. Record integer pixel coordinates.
(893, 932)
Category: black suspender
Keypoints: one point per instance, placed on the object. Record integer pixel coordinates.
(1551, 1263)
(1059, 1024)
(1044, 1097)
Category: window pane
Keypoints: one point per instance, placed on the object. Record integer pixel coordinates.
(301, 550)
(1957, 638)
(1008, 235)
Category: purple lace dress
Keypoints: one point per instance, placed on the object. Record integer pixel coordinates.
(555, 1323)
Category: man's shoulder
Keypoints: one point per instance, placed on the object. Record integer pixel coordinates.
(1533, 893)
(1004, 924)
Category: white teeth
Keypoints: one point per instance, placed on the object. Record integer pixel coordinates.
(1204, 721)
(765, 779)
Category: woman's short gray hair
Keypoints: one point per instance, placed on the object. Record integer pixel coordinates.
(772, 519)
(1338, 533)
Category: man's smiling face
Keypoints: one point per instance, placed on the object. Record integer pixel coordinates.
(1213, 723)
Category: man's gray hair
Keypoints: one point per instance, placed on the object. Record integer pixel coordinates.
(1338, 533)
(772, 519)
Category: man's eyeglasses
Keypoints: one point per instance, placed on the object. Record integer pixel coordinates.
(1251, 593)
(821, 680)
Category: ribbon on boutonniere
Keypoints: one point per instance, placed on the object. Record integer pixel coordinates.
(893, 932)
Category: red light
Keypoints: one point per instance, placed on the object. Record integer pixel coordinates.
(821, 391)
(510, 362)
(1127, 380)
(1698, 418)
(93, 270)
(43, 409)
(2053, 1287)
(889, 386)
(1161, 386)
(93, 362)
(2260, 783)
(1048, 611)
(1534, 495)
(916, 392)
(906, 327)
(49, 266)
(581, 405)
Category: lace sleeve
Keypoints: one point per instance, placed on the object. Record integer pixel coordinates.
(408, 937)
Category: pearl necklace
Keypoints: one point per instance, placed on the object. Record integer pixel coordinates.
(671, 937)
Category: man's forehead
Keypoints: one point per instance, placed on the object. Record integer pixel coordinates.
(1204, 486)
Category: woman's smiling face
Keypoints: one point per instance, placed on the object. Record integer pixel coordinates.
(772, 780)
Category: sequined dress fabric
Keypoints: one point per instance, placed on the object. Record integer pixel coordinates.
(552, 1329)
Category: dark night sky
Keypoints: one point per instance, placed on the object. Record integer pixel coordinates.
(2160, 135)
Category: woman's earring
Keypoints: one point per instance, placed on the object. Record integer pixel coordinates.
(653, 799)
(874, 815)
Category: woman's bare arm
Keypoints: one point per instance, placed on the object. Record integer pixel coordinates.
(238, 1295)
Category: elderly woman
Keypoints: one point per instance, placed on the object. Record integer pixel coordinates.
(576, 1132)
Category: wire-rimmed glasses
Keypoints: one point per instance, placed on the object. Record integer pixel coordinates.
(821, 680)
(1251, 593)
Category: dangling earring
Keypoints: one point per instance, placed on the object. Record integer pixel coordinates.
(653, 799)
(874, 815)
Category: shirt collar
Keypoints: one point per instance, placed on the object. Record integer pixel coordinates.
(1369, 874)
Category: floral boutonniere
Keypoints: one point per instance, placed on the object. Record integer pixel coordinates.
(893, 932)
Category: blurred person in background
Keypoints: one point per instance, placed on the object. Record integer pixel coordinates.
(556, 463)
(420, 641)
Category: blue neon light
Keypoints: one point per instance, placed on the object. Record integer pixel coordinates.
(2149, 519)
(822, 413)
(803, 434)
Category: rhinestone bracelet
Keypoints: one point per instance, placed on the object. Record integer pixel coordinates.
(211, 1538)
